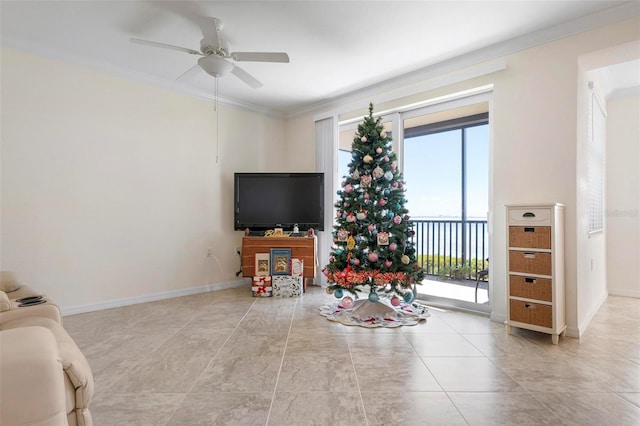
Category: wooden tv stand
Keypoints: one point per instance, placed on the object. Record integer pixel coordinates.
(301, 248)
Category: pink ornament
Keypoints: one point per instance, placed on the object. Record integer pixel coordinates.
(394, 184)
(345, 204)
(356, 261)
(373, 257)
(395, 301)
(393, 246)
(335, 240)
(371, 227)
(332, 259)
(393, 166)
(363, 139)
(382, 203)
(366, 195)
(397, 219)
(386, 158)
(388, 263)
(347, 302)
(338, 213)
(379, 150)
(348, 188)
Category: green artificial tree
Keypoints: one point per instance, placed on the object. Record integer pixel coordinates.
(372, 247)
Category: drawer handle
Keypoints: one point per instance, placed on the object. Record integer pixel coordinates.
(529, 214)
(529, 255)
(529, 305)
(530, 280)
(529, 229)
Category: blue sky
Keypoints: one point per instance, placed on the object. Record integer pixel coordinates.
(432, 173)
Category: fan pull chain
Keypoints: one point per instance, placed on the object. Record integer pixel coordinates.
(215, 108)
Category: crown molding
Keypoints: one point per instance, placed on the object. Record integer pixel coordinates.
(475, 57)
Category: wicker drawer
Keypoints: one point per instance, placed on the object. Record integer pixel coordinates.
(530, 313)
(530, 288)
(530, 237)
(530, 216)
(530, 262)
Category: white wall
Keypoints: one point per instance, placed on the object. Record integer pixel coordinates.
(623, 196)
(111, 189)
(535, 137)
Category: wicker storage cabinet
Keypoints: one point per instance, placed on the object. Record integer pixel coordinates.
(535, 268)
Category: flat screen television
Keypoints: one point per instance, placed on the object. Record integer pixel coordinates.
(278, 200)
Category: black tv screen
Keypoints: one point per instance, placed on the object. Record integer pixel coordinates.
(278, 200)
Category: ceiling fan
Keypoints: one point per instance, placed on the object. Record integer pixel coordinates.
(215, 53)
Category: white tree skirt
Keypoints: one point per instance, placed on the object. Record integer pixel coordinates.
(375, 314)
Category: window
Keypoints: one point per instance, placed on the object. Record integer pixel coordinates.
(595, 161)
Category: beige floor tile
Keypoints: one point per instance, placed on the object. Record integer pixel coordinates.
(410, 409)
(226, 357)
(503, 408)
(585, 408)
(135, 409)
(326, 373)
(442, 345)
(317, 408)
(240, 374)
(469, 375)
(222, 409)
(377, 374)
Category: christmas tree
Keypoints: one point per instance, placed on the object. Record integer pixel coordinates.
(372, 247)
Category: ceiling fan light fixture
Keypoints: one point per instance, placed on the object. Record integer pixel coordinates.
(215, 65)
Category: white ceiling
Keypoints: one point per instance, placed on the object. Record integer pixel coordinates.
(336, 47)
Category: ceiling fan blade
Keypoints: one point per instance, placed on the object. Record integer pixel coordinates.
(260, 56)
(164, 46)
(246, 77)
(210, 28)
(193, 71)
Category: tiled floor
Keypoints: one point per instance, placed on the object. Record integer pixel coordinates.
(226, 358)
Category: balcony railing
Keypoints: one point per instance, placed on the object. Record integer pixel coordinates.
(453, 249)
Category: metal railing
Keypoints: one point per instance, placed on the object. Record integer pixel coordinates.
(451, 248)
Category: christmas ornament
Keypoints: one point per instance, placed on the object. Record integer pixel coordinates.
(405, 259)
(383, 134)
(378, 150)
(348, 188)
(355, 175)
(397, 219)
(367, 159)
(395, 301)
(356, 261)
(327, 289)
(347, 302)
(386, 158)
(373, 297)
(382, 203)
(393, 246)
(377, 173)
(362, 215)
(371, 227)
(351, 218)
(373, 257)
(388, 175)
(366, 195)
(351, 243)
(363, 139)
(338, 293)
(343, 234)
(388, 263)
(332, 259)
(365, 181)
(394, 184)
(393, 165)
(408, 296)
(339, 251)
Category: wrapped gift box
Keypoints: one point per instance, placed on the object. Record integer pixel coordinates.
(297, 267)
(287, 286)
(262, 287)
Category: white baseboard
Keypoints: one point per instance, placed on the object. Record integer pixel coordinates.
(625, 292)
(582, 327)
(80, 309)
